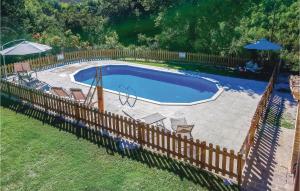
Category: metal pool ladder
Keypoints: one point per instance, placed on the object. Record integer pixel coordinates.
(127, 96)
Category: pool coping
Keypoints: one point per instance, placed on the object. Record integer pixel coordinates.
(214, 97)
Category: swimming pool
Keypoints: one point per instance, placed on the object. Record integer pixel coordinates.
(152, 85)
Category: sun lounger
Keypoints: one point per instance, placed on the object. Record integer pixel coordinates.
(181, 127)
(60, 57)
(23, 68)
(78, 95)
(185, 130)
(253, 67)
(24, 73)
(24, 76)
(59, 91)
(155, 118)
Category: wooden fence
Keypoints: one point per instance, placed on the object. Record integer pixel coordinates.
(161, 55)
(259, 112)
(207, 156)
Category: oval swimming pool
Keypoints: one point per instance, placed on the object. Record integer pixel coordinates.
(152, 85)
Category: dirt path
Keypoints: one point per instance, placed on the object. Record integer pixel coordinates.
(268, 166)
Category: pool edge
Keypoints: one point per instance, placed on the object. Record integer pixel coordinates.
(216, 95)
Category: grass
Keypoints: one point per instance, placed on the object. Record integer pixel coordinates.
(41, 152)
(279, 118)
(202, 68)
(286, 123)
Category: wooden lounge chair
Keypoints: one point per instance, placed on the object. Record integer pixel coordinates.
(253, 67)
(23, 68)
(155, 118)
(78, 95)
(181, 127)
(24, 72)
(59, 91)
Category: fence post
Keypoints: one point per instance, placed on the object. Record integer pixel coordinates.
(77, 111)
(168, 143)
(203, 154)
(77, 118)
(239, 168)
(31, 97)
(8, 90)
(198, 146)
(140, 134)
(46, 103)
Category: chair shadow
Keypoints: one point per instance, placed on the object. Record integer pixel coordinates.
(151, 159)
(259, 170)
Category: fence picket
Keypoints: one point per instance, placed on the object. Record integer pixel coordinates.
(148, 135)
(231, 163)
(157, 132)
(191, 148)
(143, 131)
(210, 155)
(217, 158)
(198, 159)
(203, 154)
(239, 167)
(224, 158)
(168, 144)
(124, 129)
(185, 148)
(179, 147)
(163, 143)
(173, 144)
(109, 118)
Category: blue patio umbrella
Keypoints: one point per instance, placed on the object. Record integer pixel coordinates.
(263, 44)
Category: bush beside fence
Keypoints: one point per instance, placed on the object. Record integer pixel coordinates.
(207, 156)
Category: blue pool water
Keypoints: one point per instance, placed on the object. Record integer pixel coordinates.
(150, 84)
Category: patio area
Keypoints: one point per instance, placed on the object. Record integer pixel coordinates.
(224, 121)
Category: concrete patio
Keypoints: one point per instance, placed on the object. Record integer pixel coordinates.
(224, 121)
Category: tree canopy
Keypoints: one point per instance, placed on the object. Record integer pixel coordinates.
(217, 26)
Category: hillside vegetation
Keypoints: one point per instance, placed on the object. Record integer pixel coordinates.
(217, 26)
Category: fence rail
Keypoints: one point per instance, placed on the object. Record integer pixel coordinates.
(161, 55)
(207, 156)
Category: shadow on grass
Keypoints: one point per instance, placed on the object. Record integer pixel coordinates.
(152, 160)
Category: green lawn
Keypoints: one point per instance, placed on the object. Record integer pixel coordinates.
(203, 68)
(39, 152)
